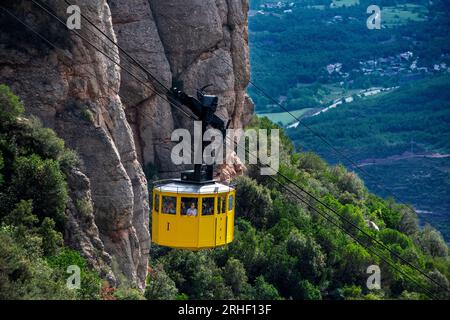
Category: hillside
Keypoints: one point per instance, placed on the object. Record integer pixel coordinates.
(282, 249)
(413, 118)
(401, 137)
(81, 140)
(318, 58)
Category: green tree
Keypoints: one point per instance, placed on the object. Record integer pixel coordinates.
(349, 182)
(52, 240)
(311, 260)
(264, 290)
(22, 215)
(431, 242)
(234, 275)
(159, 285)
(90, 281)
(25, 275)
(311, 162)
(10, 107)
(354, 262)
(409, 222)
(41, 181)
(253, 201)
(307, 291)
(389, 236)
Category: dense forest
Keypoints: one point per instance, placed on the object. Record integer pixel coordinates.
(282, 250)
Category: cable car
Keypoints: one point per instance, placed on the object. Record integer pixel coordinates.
(193, 216)
(194, 212)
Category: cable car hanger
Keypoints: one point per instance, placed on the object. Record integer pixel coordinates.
(204, 107)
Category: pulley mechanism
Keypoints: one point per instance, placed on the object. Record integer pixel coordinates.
(204, 107)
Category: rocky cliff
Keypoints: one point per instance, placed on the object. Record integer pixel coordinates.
(117, 125)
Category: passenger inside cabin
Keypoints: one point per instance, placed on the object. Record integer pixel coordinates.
(208, 206)
(192, 211)
(170, 207)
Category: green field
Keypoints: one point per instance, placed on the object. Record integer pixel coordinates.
(402, 14)
(347, 3)
(284, 117)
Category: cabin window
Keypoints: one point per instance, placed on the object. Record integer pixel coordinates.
(207, 206)
(169, 205)
(222, 204)
(230, 202)
(156, 202)
(189, 207)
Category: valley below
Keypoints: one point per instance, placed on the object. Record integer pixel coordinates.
(378, 96)
(420, 181)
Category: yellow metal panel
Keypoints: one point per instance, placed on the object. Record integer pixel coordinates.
(221, 220)
(167, 228)
(206, 236)
(187, 231)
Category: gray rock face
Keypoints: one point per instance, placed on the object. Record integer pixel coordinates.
(119, 125)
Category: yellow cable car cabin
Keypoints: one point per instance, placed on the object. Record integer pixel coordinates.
(195, 212)
(193, 216)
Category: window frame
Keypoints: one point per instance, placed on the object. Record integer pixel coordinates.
(213, 207)
(156, 202)
(230, 202)
(190, 200)
(222, 203)
(162, 205)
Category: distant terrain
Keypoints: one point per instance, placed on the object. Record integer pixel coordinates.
(380, 96)
(403, 138)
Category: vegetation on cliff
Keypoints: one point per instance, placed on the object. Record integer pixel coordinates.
(283, 249)
(33, 197)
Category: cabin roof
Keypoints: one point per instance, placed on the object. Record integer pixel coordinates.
(182, 187)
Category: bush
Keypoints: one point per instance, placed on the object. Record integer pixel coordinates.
(311, 260)
(10, 107)
(431, 242)
(43, 141)
(125, 293)
(253, 202)
(24, 275)
(354, 262)
(349, 181)
(90, 285)
(235, 276)
(22, 215)
(442, 291)
(41, 181)
(311, 162)
(389, 237)
(307, 291)
(196, 274)
(353, 218)
(160, 286)
(51, 240)
(409, 223)
(264, 290)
